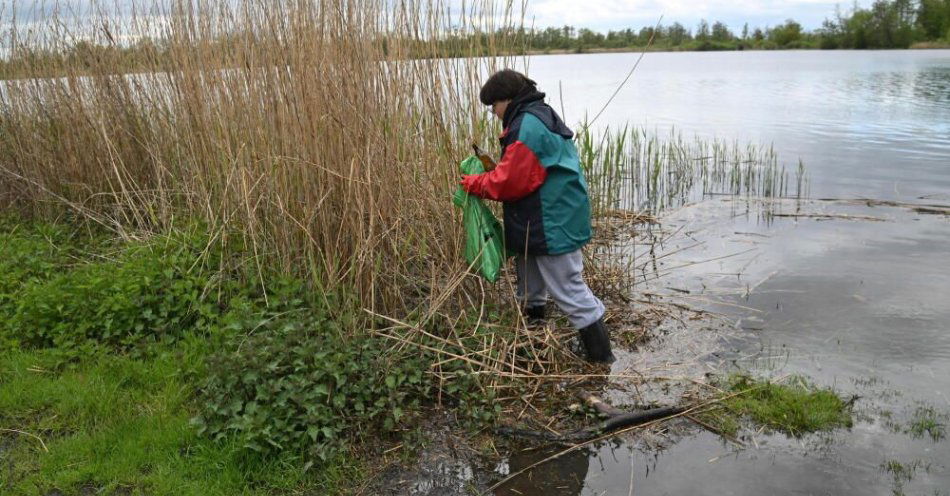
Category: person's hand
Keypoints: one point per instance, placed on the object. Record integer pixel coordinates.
(466, 181)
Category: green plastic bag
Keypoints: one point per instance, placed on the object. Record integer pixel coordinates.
(483, 242)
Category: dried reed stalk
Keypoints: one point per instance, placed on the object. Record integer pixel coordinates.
(327, 132)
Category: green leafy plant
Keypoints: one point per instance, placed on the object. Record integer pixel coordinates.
(22, 260)
(29, 252)
(291, 381)
(151, 291)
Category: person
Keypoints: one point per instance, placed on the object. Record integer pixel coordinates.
(546, 207)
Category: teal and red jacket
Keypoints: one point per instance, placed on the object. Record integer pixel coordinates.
(539, 181)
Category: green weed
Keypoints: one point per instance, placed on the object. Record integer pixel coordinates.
(295, 383)
(794, 407)
(33, 252)
(182, 377)
(137, 328)
(293, 379)
(150, 292)
(928, 421)
(902, 473)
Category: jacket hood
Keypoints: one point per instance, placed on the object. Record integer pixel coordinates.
(532, 101)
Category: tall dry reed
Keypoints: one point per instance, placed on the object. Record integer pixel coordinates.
(328, 132)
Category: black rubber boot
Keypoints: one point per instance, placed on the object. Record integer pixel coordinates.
(535, 315)
(597, 342)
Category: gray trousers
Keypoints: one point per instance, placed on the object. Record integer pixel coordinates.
(561, 276)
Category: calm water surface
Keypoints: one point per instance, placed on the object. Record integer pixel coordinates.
(856, 304)
(873, 124)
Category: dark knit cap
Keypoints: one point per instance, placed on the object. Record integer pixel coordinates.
(505, 84)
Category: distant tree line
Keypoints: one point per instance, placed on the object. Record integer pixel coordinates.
(83, 55)
(886, 24)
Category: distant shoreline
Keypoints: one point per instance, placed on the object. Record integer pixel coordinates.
(53, 72)
(924, 45)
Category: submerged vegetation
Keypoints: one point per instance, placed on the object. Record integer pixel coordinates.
(902, 473)
(929, 422)
(635, 170)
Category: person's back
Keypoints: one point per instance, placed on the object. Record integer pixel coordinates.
(559, 210)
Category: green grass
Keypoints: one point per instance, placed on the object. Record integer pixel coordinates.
(902, 473)
(927, 421)
(82, 414)
(794, 407)
(112, 422)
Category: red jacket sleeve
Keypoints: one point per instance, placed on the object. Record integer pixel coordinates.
(518, 175)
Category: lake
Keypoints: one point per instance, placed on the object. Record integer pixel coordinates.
(873, 124)
(853, 294)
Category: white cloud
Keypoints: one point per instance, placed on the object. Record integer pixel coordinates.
(595, 14)
(614, 14)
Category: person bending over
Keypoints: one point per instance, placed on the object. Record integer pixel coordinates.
(546, 207)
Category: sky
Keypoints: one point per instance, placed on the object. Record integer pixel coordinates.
(600, 15)
(603, 15)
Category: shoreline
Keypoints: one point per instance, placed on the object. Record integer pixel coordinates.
(920, 46)
(929, 45)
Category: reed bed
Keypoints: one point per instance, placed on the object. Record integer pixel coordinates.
(636, 170)
(326, 132)
(635, 174)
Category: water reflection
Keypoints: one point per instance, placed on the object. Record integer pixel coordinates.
(564, 476)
